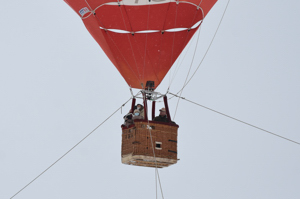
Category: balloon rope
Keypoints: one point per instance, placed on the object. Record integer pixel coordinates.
(150, 132)
(187, 74)
(191, 61)
(206, 50)
(156, 169)
(69, 150)
(146, 42)
(123, 57)
(173, 40)
(137, 68)
(107, 32)
(179, 65)
(236, 119)
(162, 34)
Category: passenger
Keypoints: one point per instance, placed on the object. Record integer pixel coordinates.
(137, 115)
(128, 119)
(162, 116)
(141, 109)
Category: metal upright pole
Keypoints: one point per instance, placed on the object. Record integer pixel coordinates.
(132, 105)
(153, 110)
(145, 106)
(167, 108)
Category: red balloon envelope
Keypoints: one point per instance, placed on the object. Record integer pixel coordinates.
(142, 38)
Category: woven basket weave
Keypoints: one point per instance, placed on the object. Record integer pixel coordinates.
(137, 148)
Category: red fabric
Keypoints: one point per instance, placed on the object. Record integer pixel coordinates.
(142, 57)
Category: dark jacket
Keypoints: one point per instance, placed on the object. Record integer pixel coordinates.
(161, 118)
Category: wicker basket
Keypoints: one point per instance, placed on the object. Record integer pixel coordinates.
(137, 148)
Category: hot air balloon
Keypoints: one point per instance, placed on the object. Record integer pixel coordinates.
(143, 39)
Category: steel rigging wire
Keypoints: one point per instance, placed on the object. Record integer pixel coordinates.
(236, 119)
(205, 51)
(69, 150)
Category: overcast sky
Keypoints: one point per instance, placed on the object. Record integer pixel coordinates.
(57, 85)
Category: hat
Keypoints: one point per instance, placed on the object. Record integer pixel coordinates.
(162, 109)
(136, 111)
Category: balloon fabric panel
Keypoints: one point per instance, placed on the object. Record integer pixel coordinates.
(142, 39)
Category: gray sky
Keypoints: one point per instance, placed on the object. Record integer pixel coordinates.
(57, 85)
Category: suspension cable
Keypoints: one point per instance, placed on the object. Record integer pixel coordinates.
(206, 50)
(179, 63)
(192, 22)
(69, 150)
(134, 57)
(237, 119)
(97, 18)
(187, 76)
(146, 41)
(156, 169)
(172, 53)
